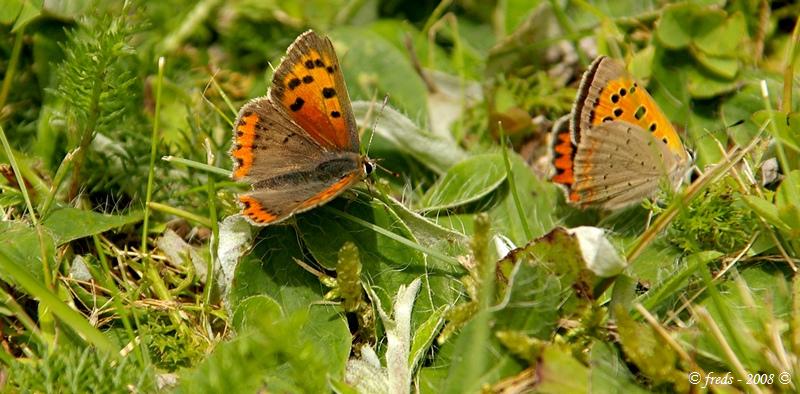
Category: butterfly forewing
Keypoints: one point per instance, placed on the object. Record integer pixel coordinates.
(268, 143)
(310, 88)
(608, 93)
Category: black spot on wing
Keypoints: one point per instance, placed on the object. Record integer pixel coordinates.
(297, 105)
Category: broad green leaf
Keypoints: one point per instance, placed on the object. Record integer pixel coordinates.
(435, 152)
(609, 372)
(641, 64)
(743, 105)
(387, 263)
(19, 12)
(538, 198)
(426, 231)
(525, 45)
(556, 255)
(674, 28)
(68, 224)
(250, 310)
(21, 243)
(559, 372)
(704, 85)
(725, 38)
(271, 271)
(532, 298)
(724, 67)
(681, 23)
(651, 354)
(466, 182)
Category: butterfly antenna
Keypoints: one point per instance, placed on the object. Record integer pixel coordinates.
(388, 171)
(375, 123)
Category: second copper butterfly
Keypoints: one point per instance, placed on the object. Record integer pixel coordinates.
(619, 146)
(298, 146)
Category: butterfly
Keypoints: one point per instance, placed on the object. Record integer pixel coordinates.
(298, 146)
(618, 147)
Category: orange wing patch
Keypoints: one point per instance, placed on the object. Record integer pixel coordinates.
(255, 211)
(329, 193)
(563, 160)
(623, 99)
(311, 96)
(242, 151)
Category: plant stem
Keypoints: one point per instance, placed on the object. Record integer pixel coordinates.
(12, 67)
(88, 132)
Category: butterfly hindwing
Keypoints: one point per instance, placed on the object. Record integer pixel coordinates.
(268, 143)
(562, 154)
(309, 86)
(618, 164)
(275, 199)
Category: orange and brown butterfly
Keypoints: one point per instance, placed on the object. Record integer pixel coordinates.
(298, 146)
(617, 146)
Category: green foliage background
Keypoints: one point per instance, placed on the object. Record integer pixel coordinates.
(124, 265)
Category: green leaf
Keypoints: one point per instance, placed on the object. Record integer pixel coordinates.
(725, 67)
(272, 272)
(703, 85)
(559, 372)
(387, 263)
(558, 254)
(424, 336)
(249, 311)
(68, 224)
(20, 12)
(532, 299)
(539, 200)
(22, 245)
(787, 201)
(428, 233)
(785, 127)
(677, 280)
(609, 373)
(436, 152)
(466, 182)
(725, 38)
(674, 27)
(767, 211)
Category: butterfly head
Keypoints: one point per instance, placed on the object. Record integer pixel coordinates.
(368, 166)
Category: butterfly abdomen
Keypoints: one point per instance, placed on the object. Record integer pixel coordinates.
(329, 171)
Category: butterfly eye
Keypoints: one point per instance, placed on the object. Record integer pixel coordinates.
(368, 167)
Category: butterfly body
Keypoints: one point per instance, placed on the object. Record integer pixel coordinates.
(619, 146)
(298, 146)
